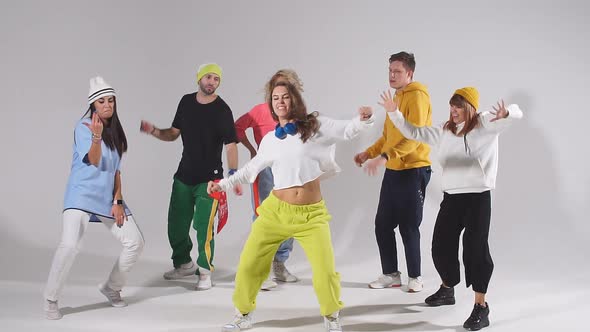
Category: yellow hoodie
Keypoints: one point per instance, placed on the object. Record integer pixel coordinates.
(414, 103)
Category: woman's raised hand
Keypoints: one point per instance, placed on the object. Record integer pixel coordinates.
(387, 101)
(500, 112)
(95, 126)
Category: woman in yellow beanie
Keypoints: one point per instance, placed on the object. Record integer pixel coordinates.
(468, 153)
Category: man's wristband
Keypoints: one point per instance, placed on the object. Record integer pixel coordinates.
(231, 171)
(118, 202)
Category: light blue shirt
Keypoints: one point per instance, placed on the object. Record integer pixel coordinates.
(90, 188)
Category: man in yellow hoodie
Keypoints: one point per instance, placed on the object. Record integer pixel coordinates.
(406, 176)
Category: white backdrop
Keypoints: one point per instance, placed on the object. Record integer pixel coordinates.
(528, 52)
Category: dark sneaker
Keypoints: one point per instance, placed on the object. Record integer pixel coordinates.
(478, 318)
(443, 296)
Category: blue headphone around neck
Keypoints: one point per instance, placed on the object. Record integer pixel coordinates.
(281, 132)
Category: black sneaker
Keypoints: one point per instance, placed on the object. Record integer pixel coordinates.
(478, 318)
(443, 296)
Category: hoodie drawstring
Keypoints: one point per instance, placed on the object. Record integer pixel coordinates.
(467, 149)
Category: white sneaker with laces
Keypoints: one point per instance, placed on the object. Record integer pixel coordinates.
(281, 273)
(52, 310)
(415, 285)
(204, 282)
(387, 280)
(268, 284)
(113, 296)
(332, 322)
(240, 322)
(182, 271)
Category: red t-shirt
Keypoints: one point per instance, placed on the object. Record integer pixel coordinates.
(259, 119)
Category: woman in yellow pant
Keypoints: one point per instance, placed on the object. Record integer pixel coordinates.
(301, 153)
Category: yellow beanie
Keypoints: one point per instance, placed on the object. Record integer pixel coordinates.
(470, 94)
(207, 68)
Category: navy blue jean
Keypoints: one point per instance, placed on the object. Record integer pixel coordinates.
(400, 204)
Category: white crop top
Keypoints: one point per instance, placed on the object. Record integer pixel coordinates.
(295, 163)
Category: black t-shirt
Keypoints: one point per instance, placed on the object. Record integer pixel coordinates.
(204, 129)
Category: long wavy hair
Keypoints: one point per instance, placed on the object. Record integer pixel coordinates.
(113, 134)
(288, 75)
(307, 124)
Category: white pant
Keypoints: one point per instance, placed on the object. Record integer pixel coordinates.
(75, 223)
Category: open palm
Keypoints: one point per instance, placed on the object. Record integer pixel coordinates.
(500, 111)
(387, 101)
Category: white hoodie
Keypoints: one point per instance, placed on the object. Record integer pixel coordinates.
(469, 163)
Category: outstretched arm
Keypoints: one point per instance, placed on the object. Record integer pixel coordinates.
(347, 129)
(168, 134)
(406, 128)
(426, 134)
(417, 116)
(502, 116)
(246, 174)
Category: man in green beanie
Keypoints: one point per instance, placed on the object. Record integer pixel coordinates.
(206, 125)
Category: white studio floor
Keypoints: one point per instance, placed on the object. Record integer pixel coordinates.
(553, 303)
(150, 51)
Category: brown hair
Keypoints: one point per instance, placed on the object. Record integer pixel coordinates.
(471, 117)
(288, 75)
(113, 134)
(307, 124)
(406, 58)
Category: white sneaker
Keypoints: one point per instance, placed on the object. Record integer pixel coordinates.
(113, 296)
(240, 322)
(387, 280)
(182, 271)
(204, 282)
(281, 273)
(268, 284)
(52, 310)
(415, 285)
(332, 323)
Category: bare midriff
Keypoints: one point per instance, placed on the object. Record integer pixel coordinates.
(306, 194)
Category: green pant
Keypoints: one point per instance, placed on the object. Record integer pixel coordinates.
(191, 203)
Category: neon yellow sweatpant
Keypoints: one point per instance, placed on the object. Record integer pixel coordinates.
(276, 222)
